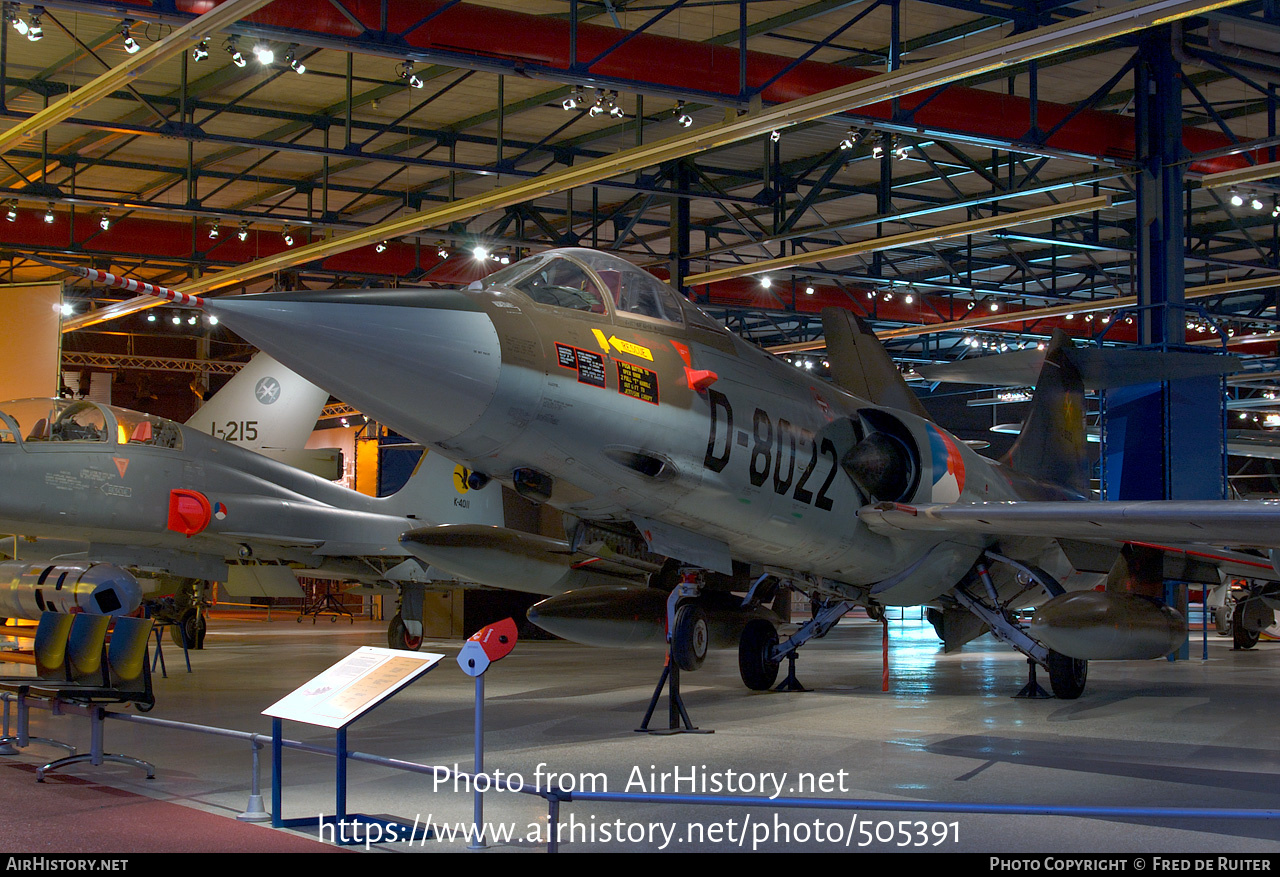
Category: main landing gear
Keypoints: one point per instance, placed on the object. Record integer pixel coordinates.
(1067, 675)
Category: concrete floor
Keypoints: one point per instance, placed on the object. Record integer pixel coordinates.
(1153, 734)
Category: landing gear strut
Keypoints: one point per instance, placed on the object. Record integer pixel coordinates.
(1066, 674)
(686, 648)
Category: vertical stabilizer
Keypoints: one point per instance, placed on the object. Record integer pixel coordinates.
(861, 365)
(265, 405)
(437, 493)
(1052, 445)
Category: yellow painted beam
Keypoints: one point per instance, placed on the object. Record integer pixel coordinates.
(1079, 307)
(906, 239)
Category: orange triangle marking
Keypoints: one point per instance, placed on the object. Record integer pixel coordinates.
(122, 464)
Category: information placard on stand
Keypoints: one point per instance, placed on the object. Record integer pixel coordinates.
(351, 688)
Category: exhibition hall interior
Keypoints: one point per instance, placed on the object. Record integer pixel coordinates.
(484, 426)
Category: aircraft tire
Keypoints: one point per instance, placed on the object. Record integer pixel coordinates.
(1222, 620)
(398, 636)
(1067, 675)
(758, 640)
(1241, 637)
(191, 629)
(935, 618)
(690, 637)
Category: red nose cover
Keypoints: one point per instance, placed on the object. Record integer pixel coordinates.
(189, 511)
(498, 639)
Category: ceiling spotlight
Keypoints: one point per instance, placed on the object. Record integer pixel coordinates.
(775, 135)
(968, 306)
(442, 253)
(48, 213)
(243, 231)
(191, 321)
(405, 71)
(380, 247)
(213, 321)
(851, 138)
(877, 151)
(68, 309)
(1256, 203)
(909, 298)
(504, 260)
(11, 16)
(35, 33)
(808, 290)
(1275, 210)
(480, 253)
(901, 152)
(104, 220)
(233, 49)
(213, 230)
(1237, 200)
(130, 44)
(11, 211)
(576, 99)
(177, 321)
(288, 236)
(291, 58)
(682, 115)
(151, 318)
(766, 282)
(200, 52)
(264, 54)
(995, 306)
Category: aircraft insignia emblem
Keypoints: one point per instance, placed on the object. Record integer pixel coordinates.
(267, 390)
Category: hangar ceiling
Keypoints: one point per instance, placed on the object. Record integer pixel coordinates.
(199, 165)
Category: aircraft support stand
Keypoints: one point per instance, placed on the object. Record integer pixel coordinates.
(676, 713)
(1032, 690)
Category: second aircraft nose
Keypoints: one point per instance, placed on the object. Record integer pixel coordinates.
(424, 362)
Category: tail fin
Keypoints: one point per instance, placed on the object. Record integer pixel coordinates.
(264, 406)
(861, 365)
(1052, 444)
(437, 493)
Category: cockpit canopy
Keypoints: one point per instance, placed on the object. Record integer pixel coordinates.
(587, 280)
(69, 420)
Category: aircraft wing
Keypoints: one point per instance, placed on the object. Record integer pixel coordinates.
(1254, 523)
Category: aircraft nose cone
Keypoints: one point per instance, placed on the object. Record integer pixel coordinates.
(424, 362)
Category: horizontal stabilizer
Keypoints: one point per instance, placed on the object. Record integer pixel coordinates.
(1100, 368)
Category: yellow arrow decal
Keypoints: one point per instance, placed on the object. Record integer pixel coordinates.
(630, 348)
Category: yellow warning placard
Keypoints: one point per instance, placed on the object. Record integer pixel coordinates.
(637, 382)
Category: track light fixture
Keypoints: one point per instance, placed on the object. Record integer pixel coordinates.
(233, 49)
(1255, 203)
(104, 219)
(35, 32)
(851, 139)
(441, 252)
(287, 235)
(405, 72)
(11, 211)
(291, 58)
(775, 135)
(575, 100)
(265, 54)
(130, 44)
(213, 230)
(380, 247)
(614, 110)
(12, 17)
(200, 52)
(243, 232)
(682, 115)
(48, 213)
(1237, 200)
